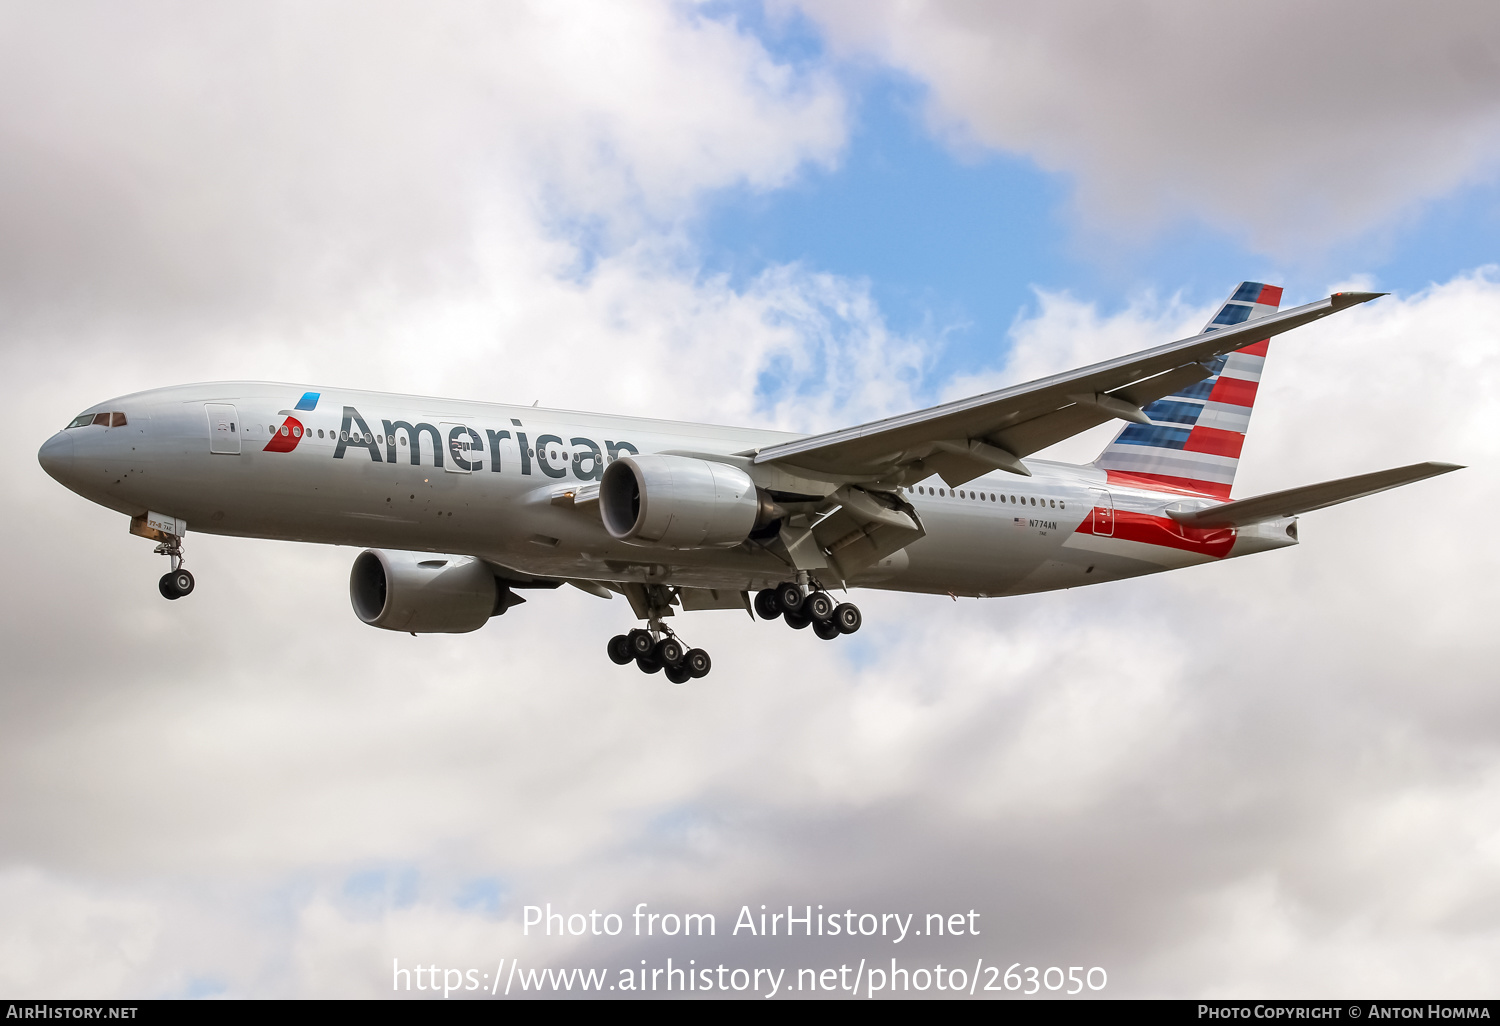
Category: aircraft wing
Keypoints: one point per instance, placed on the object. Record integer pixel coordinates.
(1293, 501)
(962, 440)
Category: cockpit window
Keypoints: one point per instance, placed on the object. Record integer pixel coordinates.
(111, 419)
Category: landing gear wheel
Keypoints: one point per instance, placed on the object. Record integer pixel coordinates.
(826, 629)
(641, 643)
(848, 618)
(796, 621)
(697, 663)
(766, 604)
(175, 584)
(668, 652)
(678, 674)
(619, 650)
(818, 606)
(789, 597)
(647, 664)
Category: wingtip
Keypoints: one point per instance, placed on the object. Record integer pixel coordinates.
(1341, 300)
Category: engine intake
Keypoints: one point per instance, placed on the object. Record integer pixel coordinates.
(424, 593)
(677, 502)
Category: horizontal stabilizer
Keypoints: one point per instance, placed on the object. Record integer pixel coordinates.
(1293, 501)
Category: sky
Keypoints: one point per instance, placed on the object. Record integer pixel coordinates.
(1277, 776)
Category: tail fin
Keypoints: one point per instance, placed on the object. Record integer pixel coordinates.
(1193, 441)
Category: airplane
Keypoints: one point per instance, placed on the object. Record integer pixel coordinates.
(460, 505)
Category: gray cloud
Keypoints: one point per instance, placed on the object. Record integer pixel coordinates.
(1276, 775)
(1296, 125)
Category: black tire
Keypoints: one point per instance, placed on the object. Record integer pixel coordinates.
(697, 662)
(796, 621)
(818, 606)
(848, 617)
(789, 597)
(182, 582)
(641, 643)
(648, 665)
(165, 587)
(619, 650)
(678, 674)
(766, 605)
(668, 651)
(826, 629)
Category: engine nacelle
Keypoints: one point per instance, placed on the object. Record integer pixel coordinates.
(677, 502)
(424, 593)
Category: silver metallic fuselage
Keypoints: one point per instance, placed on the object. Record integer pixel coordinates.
(1035, 534)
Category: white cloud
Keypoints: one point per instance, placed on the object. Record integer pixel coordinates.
(58, 937)
(1296, 125)
(251, 791)
(276, 160)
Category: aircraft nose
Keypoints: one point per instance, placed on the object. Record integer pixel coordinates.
(56, 456)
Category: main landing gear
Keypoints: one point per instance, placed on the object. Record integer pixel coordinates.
(800, 609)
(659, 649)
(176, 583)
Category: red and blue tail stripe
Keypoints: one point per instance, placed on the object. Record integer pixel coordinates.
(1194, 439)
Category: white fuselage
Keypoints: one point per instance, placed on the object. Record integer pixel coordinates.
(500, 491)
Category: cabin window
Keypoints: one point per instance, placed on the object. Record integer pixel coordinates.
(344, 436)
(403, 439)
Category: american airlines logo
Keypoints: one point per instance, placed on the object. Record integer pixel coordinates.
(286, 437)
(470, 448)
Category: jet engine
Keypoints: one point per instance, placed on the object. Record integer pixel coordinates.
(425, 593)
(677, 502)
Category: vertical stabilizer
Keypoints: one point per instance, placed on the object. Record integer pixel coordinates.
(1194, 439)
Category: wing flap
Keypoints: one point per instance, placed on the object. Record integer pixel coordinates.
(1294, 501)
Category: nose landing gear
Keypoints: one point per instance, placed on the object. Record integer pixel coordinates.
(659, 649)
(827, 617)
(178, 582)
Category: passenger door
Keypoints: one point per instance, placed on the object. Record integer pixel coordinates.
(223, 429)
(1104, 512)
